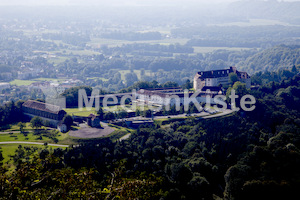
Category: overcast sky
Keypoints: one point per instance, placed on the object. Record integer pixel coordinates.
(93, 2)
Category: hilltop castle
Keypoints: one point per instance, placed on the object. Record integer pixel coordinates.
(215, 78)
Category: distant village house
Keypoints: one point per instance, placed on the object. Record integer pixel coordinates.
(93, 121)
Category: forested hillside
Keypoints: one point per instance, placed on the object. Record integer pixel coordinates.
(248, 155)
(272, 59)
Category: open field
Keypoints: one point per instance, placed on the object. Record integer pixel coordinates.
(10, 149)
(211, 49)
(30, 137)
(103, 79)
(256, 22)
(68, 52)
(137, 72)
(15, 135)
(15, 127)
(57, 60)
(49, 79)
(82, 113)
(98, 42)
(18, 82)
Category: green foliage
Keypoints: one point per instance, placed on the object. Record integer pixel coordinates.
(233, 78)
(122, 114)
(100, 113)
(109, 116)
(239, 89)
(188, 84)
(11, 112)
(36, 122)
(147, 113)
(273, 59)
(130, 78)
(1, 157)
(21, 126)
(71, 95)
(67, 120)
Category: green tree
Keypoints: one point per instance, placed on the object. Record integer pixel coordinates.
(188, 84)
(100, 113)
(240, 90)
(130, 78)
(1, 157)
(109, 116)
(67, 120)
(21, 126)
(138, 112)
(233, 78)
(36, 122)
(147, 113)
(169, 84)
(122, 114)
(294, 69)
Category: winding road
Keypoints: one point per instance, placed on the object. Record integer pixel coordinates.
(204, 115)
(39, 143)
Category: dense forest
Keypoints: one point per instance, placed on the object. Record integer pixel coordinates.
(248, 155)
(272, 59)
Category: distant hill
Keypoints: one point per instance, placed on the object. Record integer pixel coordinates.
(272, 59)
(272, 9)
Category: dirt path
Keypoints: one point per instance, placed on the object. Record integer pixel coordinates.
(125, 137)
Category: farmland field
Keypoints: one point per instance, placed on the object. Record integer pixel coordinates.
(98, 42)
(137, 72)
(18, 82)
(211, 49)
(83, 113)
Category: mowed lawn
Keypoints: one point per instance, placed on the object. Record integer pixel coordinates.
(85, 112)
(49, 79)
(18, 82)
(13, 134)
(18, 137)
(9, 150)
(137, 72)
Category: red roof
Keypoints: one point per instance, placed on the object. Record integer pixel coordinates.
(42, 106)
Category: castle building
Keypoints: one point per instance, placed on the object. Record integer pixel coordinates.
(216, 78)
(47, 112)
(167, 96)
(93, 121)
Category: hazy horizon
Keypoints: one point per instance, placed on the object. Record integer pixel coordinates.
(114, 2)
